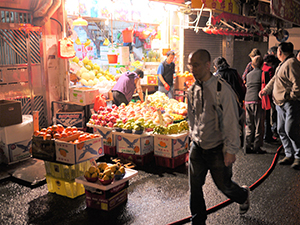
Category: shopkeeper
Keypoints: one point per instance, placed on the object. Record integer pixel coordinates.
(165, 74)
(126, 85)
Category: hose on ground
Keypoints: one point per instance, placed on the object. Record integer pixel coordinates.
(229, 201)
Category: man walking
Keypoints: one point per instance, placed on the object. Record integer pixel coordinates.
(215, 136)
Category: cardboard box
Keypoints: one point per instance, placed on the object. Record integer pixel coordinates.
(152, 80)
(15, 141)
(106, 194)
(140, 160)
(172, 162)
(69, 119)
(95, 201)
(107, 133)
(171, 145)
(70, 153)
(180, 82)
(10, 113)
(83, 95)
(43, 149)
(134, 143)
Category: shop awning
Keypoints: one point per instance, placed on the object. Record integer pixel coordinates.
(232, 24)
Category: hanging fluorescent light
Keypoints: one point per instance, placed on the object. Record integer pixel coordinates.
(80, 22)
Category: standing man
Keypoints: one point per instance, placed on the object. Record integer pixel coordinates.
(165, 73)
(214, 135)
(285, 87)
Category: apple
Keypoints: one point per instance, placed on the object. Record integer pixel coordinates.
(103, 123)
(110, 124)
(98, 122)
(109, 109)
(94, 116)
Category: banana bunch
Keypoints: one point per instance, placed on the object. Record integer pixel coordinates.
(88, 42)
(177, 116)
(77, 41)
(137, 64)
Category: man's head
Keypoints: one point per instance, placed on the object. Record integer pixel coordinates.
(273, 50)
(257, 62)
(139, 72)
(199, 64)
(284, 50)
(170, 56)
(270, 59)
(220, 62)
(254, 53)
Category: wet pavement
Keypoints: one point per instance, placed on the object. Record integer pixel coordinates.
(159, 195)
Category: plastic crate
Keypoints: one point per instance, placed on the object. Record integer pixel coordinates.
(67, 172)
(171, 162)
(70, 189)
(140, 160)
(95, 201)
(110, 150)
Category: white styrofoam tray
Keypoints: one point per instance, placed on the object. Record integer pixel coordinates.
(129, 174)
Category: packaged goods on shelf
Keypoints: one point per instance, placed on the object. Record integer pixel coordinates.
(66, 172)
(171, 162)
(171, 145)
(70, 189)
(10, 112)
(15, 141)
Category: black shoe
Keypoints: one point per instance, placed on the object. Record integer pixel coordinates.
(250, 151)
(260, 151)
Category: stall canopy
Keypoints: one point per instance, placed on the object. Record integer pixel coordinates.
(232, 24)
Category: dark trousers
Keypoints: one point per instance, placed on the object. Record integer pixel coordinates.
(200, 162)
(119, 98)
(254, 126)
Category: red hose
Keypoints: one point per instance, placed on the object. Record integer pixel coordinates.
(229, 201)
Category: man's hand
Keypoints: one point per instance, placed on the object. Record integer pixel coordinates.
(261, 93)
(167, 87)
(229, 159)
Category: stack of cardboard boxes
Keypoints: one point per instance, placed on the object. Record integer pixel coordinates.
(15, 132)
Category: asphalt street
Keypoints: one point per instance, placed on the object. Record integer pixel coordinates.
(158, 196)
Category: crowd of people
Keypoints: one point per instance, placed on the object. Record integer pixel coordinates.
(270, 91)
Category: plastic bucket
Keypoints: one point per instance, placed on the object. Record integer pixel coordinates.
(112, 59)
(127, 36)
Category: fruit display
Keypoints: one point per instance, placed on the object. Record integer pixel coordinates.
(157, 111)
(105, 173)
(68, 134)
(91, 74)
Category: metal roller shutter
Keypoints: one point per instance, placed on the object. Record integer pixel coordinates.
(193, 41)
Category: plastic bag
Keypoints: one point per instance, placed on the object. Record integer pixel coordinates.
(99, 101)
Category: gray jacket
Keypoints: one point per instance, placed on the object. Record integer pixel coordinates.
(203, 116)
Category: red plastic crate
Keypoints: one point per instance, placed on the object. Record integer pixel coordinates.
(171, 162)
(110, 150)
(140, 160)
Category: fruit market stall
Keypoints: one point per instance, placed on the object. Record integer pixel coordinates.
(156, 128)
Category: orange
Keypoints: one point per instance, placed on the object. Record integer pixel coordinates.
(36, 133)
(68, 129)
(57, 135)
(74, 128)
(47, 137)
(63, 135)
(54, 127)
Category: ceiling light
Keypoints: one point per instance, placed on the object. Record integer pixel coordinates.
(80, 22)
